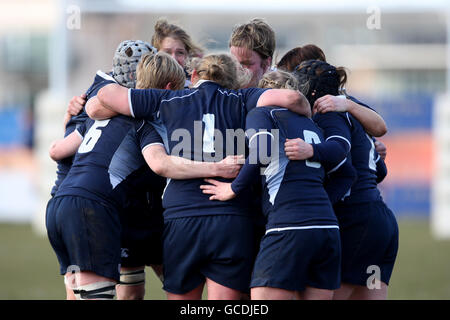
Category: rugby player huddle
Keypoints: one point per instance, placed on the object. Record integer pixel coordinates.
(225, 170)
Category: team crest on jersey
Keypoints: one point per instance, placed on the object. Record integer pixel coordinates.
(124, 252)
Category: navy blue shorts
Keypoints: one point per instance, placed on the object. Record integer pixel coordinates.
(369, 237)
(84, 234)
(218, 247)
(295, 259)
(141, 241)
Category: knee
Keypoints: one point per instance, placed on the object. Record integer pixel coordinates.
(135, 292)
(104, 290)
(132, 284)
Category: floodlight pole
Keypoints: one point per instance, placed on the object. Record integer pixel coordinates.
(440, 184)
(58, 52)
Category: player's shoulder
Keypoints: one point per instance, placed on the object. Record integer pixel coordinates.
(78, 119)
(265, 111)
(355, 100)
(168, 95)
(127, 121)
(343, 117)
(100, 80)
(250, 91)
(278, 113)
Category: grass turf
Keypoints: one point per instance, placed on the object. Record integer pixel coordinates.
(29, 269)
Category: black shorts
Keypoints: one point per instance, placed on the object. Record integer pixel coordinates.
(369, 237)
(141, 240)
(295, 259)
(85, 235)
(218, 247)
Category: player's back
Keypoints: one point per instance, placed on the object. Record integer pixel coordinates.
(364, 158)
(108, 154)
(194, 119)
(63, 166)
(362, 155)
(294, 190)
(75, 123)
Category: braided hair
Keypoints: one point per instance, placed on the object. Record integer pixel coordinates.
(321, 79)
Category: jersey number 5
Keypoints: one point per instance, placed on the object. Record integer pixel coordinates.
(311, 137)
(372, 163)
(92, 136)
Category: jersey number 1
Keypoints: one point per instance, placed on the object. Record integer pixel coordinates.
(92, 136)
(208, 135)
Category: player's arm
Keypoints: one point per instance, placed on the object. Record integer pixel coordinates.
(380, 148)
(74, 108)
(66, 119)
(381, 169)
(260, 153)
(138, 103)
(97, 111)
(180, 168)
(249, 173)
(66, 147)
(76, 104)
(285, 98)
(115, 98)
(372, 122)
(332, 152)
(339, 182)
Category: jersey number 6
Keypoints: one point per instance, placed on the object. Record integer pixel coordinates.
(92, 136)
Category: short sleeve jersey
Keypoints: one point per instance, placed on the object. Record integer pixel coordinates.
(109, 153)
(363, 157)
(77, 123)
(293, 192)
(198, 123)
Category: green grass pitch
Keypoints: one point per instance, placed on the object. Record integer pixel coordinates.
(29, 269)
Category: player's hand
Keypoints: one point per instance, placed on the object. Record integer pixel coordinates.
(219, 190)
(330, 103)
(230, 166)
(297, 149)
(76, 104)
(381, 149)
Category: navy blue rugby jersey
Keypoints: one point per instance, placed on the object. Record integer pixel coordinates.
(293, 191)
(358, 102)
(381, 169)
(111, 150)
(63, 166)
(140, 195)
(190, 119)
(381, 166)
(362, 156)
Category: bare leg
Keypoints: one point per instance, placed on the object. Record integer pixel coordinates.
(311, 293)
(245, 296)
(131, 292)
(344, 292)
(70, 283)
(158, 269)
(354, 292)
(195, 294)
(219, 292)
(269, 293)
(364, 293)
(84, 278)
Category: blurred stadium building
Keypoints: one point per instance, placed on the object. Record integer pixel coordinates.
(396, 51)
